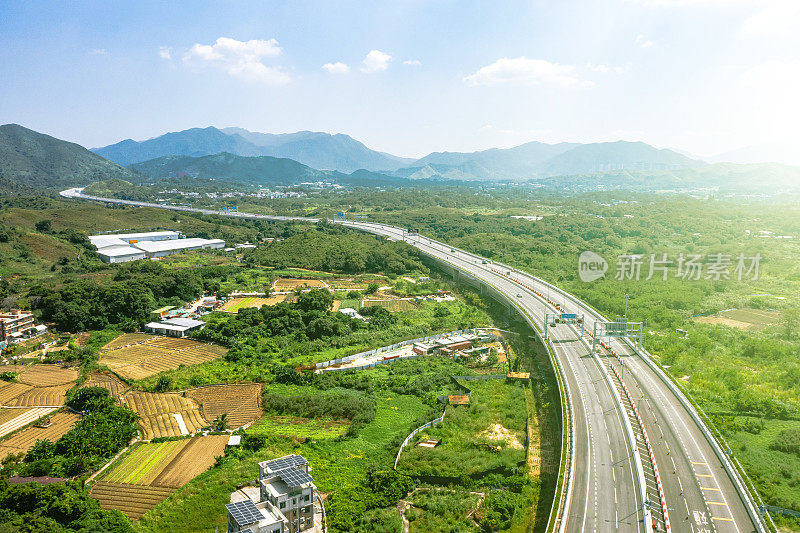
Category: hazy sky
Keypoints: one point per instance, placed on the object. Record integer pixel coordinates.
(409, 77)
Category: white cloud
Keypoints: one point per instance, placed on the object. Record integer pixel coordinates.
(692, 3)
(412, 62)
(598, 68)
(240, 59)
(778, 17)
(643, 42)
(164, 52)
(336, 68)
(522, 70)
(99, 52)
(376, 61)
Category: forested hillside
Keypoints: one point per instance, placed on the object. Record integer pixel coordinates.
(30, 160)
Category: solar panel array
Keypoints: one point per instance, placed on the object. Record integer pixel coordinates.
(244, 512)
(286, 462)
(294, 477)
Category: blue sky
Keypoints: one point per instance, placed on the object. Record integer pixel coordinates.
(409, 77)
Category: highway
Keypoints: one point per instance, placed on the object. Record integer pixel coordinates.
(686, 483)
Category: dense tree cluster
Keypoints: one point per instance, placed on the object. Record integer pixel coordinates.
(127, 300)
(351, 253)
(57, 508)
(104, 429)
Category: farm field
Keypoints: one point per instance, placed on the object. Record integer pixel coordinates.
(9, 391)
(13, 419)
(133, 500)
(165, 415)
(47, 375)
(234, 304)
(290, 284)
(25, 439)
(107, 381)
(240, 401)
(744, 319)
(156, 354)
(41, 397)
(162, 467)
(392, 306)
(127, 338)
(301, 428)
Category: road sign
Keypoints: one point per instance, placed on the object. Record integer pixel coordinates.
(568, 316)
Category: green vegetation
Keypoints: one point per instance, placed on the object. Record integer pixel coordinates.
(349, 253)
(61, 507)
(104, 430)
(30, 160)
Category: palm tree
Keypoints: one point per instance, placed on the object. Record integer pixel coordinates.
(221, 422)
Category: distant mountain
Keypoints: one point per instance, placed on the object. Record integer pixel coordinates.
(535, 159)
(193, 142)
(262, 170)
(30, 160)
(517, 162)
(315, 149)
(620, 155)
(762, 153)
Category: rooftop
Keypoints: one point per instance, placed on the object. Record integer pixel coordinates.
(283, 462)
(134, 236)
(176, 244)
(118, 251)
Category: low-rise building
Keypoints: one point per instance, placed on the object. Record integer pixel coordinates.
(286, 483)
(175, 327)
(246, 515)
(283, 502)
(16, 324)
(352, 313)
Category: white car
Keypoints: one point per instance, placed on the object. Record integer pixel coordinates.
(519, 295)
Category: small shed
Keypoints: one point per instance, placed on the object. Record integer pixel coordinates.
(458, 399)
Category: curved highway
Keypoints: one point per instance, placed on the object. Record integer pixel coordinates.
(641, 457)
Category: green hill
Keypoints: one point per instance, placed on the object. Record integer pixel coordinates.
(33, 161)
(230, 167)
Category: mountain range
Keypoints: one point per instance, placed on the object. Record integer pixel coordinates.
(314, 149)
(344, 154)
(31, 161)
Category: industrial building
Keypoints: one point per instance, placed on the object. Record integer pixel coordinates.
(285, 499)
(123, 247)
(164, 248)
(175, 327)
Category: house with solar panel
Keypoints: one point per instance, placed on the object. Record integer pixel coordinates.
(286, 483)
(283, 502)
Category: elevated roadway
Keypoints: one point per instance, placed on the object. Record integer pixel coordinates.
(609, 479)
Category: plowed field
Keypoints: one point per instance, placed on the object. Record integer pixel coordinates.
(107, 381)
(41, 397)
(240, 401)
(157, 412)
(157, 354)
(290, 284)
(9, 391)
(133, 500)
(13, 419)
(47, 375)
(25, 439)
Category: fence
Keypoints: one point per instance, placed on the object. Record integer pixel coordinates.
(411, 435)
(324, 365)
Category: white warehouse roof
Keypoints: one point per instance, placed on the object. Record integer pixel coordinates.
(147, 235)
(105, 242)
(177, 244)
(119, 251)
